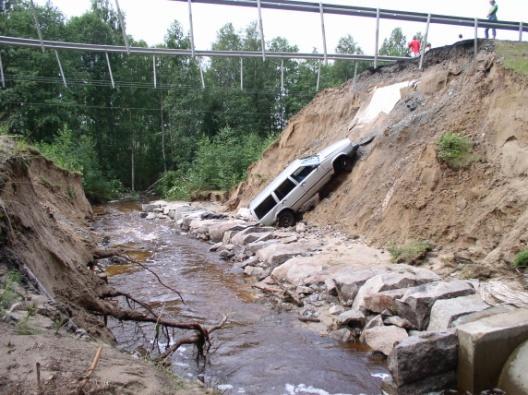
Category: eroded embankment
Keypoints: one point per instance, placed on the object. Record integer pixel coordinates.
(399, 190)
(51, 303)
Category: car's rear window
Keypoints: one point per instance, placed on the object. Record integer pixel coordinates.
(302, 172)
(284, 188)
(263, 208)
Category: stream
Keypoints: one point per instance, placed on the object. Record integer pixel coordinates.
(260, 351)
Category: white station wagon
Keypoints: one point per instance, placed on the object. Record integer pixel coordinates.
(285, 196)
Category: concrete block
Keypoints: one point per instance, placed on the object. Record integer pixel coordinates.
(484, 347)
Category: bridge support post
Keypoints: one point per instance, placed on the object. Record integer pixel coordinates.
(122, 23)
(261, 29)
(520, 31)
(318, 77)
(110, 70)
(241, 74)
(191, 28)
(201, 73)
(61, 69)
(476, 38)
(282, 77)
(323, 32)
(2, 76)
(424, 44)
(377, 37)
(154, 73)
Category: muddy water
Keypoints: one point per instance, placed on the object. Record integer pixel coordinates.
(261, 351)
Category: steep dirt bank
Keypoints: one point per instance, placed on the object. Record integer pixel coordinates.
(399, 190)
(46, 314)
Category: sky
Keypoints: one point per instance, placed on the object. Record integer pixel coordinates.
(149, 20)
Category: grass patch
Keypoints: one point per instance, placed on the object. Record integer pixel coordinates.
(514, 55)
(23, 328)
(455, 150)
(411, 252)
(521, 259)
(8, 296)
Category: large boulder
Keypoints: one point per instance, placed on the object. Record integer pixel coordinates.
(250, 234)
(445, 311)
(382, 301)
(351, 318)
(216, 231)
(383, 338)
(403, 278)
(513, 378)
(466, 319)
(350, 279)
(423, 355)
(277, 254)
(297, 270)
(415, 305)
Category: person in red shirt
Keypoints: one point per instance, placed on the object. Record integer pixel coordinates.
(414, 47)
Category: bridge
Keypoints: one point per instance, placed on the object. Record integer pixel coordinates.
(283, 5)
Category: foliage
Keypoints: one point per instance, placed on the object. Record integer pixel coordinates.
(455, 150)
(514, 55)
(23, 327)
(411, 252)
(8, 294)
(521, 259)
(77, 153)
(220, 163)
(135, 133)
(395, 45)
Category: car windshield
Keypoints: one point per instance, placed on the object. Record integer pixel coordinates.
(312, 160)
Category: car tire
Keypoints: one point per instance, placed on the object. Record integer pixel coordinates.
(286, 219)
(343, 164)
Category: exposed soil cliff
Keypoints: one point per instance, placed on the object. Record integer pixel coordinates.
(399, 190)
(46, 317)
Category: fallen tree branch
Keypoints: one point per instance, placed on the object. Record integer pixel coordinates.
(112, 293)
(116, 253)
(91, 369)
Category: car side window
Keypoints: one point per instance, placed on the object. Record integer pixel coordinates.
(284, 188)
(302, 172)
(265, 207)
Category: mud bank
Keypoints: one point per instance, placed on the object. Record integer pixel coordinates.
(344, 289)
(48, 294)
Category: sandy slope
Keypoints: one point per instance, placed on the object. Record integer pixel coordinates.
(399, 190)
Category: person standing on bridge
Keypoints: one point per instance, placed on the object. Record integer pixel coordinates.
(492, 17)
(414, 47)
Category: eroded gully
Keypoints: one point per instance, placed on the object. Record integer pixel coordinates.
(260, 351)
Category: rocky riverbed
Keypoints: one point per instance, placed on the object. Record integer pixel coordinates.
(340, 287)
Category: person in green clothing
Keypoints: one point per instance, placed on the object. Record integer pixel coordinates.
(492, 16)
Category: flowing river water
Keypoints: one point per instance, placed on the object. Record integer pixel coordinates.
(260, 351)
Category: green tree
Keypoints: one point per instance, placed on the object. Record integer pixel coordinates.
(395, 45)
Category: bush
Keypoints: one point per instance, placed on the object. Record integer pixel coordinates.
(521, 259)
(77, 154)
(411, 252)
(220, 163)
(455, 150)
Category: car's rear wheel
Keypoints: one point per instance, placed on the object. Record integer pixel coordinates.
(343, 164)
(286, 218)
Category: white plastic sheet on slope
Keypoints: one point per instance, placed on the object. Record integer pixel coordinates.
(383, 100)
